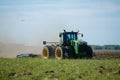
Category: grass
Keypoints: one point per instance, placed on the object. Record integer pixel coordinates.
(53, 69)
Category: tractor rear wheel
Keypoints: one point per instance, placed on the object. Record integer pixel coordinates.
(89, 52)
(47, 52)
(86, 51)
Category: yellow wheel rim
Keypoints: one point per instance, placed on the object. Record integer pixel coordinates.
(45, 53)
(59, 53)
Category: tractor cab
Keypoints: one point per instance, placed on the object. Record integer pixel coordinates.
(66, 37)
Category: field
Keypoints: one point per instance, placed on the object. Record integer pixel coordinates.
(107, 54)
(53, 69)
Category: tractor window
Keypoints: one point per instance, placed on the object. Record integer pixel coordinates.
(71, 37)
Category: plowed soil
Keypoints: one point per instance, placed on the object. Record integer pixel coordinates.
(107, 54)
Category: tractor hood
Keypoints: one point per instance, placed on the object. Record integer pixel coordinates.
(76, 43)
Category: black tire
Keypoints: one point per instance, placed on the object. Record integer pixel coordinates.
(82, 51)
(89, 52)
(71, 53)
(61, 53)
(64, 52)
(48, 52)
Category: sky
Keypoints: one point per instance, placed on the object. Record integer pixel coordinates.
(30, 22)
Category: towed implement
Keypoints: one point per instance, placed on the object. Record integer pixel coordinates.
(68, 47)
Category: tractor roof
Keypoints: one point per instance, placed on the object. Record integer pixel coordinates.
(69, 32)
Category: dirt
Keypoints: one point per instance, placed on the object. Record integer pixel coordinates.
(100, 69)
(107, 54)
(49, 71)
(14, 74)
(63, 71)
(117, 72)
(10, 50)
(51, 74)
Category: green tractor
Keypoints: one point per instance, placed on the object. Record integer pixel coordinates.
(68, 47)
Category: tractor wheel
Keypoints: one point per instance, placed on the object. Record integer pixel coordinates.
(59, 52)
(89, 52)
(71, 53)
(65, 52)
(62, 52)
(86, 50)
(47, 52)
(83, 51)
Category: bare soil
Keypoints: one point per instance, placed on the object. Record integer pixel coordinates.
(11, 50)
(107, 54)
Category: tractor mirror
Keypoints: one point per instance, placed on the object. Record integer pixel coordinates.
(59, 35)
(44, 42)
(81, 35)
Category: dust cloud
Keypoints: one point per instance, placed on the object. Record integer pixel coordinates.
(11, 49)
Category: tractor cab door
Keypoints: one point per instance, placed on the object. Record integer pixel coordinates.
(67, 36)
